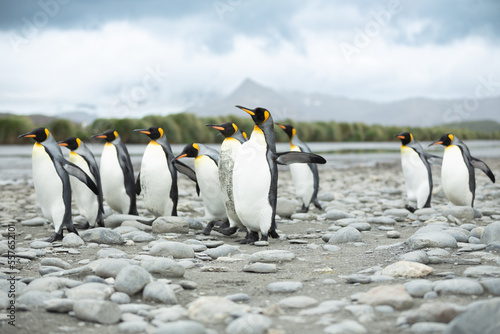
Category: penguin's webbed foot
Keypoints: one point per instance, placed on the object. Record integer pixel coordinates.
(55, 237)
(264, 237)
(83, 226)
(208, 228)
(100, 223)
(410, 208)
(318, 206)
(303, 209)
(226, 231)
(273, 234)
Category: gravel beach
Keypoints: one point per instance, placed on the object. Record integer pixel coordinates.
(364, 265)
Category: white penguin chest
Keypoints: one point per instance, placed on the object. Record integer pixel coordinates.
(48, 184)
(455, 176)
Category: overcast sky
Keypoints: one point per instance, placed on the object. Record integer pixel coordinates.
(164, 56)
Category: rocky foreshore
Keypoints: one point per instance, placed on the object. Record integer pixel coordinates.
(364, 265)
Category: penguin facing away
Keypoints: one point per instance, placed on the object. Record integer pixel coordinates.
(255, 176)
(117, 174)
(157, 179)
(51, 180)
(457, 171)
(89, 204)
(415, 163)
(228, 151)
(207, 173)
(305, 176)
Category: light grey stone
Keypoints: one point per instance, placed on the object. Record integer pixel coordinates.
(250, 324)
(364, 313)
(138, 236)
(136, 326)
(431, 239)
(46, 284)
(132, 279)
(416, 256)
(392, 295)
(170, 224)
(38, 244)
(38, 221)
(461, 212)
(491, 285)
(90, 291)
(159, 292)
(56, 262)
(331, 248)
(112, 253)
(491, 233)
(482, 271)
(274, 255)
(120, 298)
(382, 220)
(258, 267)
(461, 286)
(297, 302)
(72, 240)
(419, 287)
(33, 299)
(162, 266)
(44, 270)
(100, 311)
(459, 235)
(345, 235)
(239, 298)
(213, 310)
(337, 214)
(102, 235)
(111, 267)
(402, 213)
(346, 327)
(181, 326)
(223, 250)
(407, 269)
(442, 312)
(285, 208)
(428, 328)
(361, 226)
(171, 248)
(284, 287)
(59, 305)
(481, 318)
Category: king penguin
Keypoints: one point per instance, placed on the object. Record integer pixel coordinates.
(207, 173)
(51, 180)
(157, 179)
(89, 204)
(255, 176)
(305, 176)
(117, 174)
(457, 172)
(415, 163)
(228, 150)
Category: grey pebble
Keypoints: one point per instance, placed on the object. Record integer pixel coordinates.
(250, 324)
(285, 208)
(44, 270)
(346, 326)
(138, 236)
(33, 299)
(110, 267)
(38, 244)
(482, 271)
(462, 286)
(100, 311)
(38, 221)
(170, 224)
(72, 240)
(345, 235)
(491, 233)
(59, 305)
(259, 267)
(137, 326)
(56, 262)
(364, 313)
(297, 302)
(171, 248)
(188, 285)
(223, 250)
(460, 212)
(479, 318)
(160, 293)
(383, 220)
(120, 298)
(90, 290)
(162, 266)
(337, 214)
(491, 285)
(112, 253)
(284, 287)
(419, 256)
(431, 239)
(418, 287)
(274, 255)
(132, 279)
(393, 234)
(239, 298)
(428, 328)
(102, 235)
(181, 326)
(358, 278)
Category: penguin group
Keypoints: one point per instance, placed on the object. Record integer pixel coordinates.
(457, 171)
(238, 184)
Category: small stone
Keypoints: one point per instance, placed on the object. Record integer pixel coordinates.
(110, 267)
(284, 287)
(363, 313)
(461, 286)
(482, 271)
(213, 310)
(33, 299)
(274, 255)
(431, 239)
(345, 235)
(383, 220)
(170, 224)
(90, 291)
(419, 287)
(138, 236)
(100, 311)
(112, 253)
(171, 248)
(407, 269)
(393, 234)
(160, 293)
(188, 285)
(491, 233)
(72, 240)
(416, 256)
(250, 324)
(491, 285)
(56, 262)
(34, 222)
(465, 213)
(38, 244)
(285, 208)
(346, 326)
(331, 248)
(337, 214)
(480, 317)
(59, 305)
(102, 235)
(392, 295)
(120, 298)
(132, 279)
(261, 243)
(137, 326)
(297, 302)
(358, 278)
(44, 270)
(259, 267)
(435, 312)
(239, 298)
(428, 328)
(162, 266)
(181, 326)
(223, 250)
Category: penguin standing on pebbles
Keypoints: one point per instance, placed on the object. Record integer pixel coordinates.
(228, 151)
(305, 176)
(207, 173)
(415, 163)
(89, 204)
(51, 180)
(255, 176)
(157, 179)
(457, 171)
(117, 174)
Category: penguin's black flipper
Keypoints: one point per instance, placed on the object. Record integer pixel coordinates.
(476, 163)
(287, 158)
(77, 172)
(138, 184)
(188, 171)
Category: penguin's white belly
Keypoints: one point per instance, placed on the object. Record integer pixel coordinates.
(112, 180)
(303, 182)
(156, 181)
(455, 177)
(416, 176)
(207, 174)
(251, 186)
(228, 151)
(86, 201)
(48, 186)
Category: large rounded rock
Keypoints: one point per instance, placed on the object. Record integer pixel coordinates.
(345, 235)
(170, 225)
(213, 310)
(285, 208)
(433, 239)
(171, 248)
(491, 233)
(102, 235)
(162, 266)
(132, 279)
(100, 311)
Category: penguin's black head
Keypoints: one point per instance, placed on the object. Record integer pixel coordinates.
(445, 140)
(405, 137)
(153, 132)
(72, 143)
(289, 130)
(39, 135)
(109, 135)
(259, 115)
(226, 129)
(190, 151)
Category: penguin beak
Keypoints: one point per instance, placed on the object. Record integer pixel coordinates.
(100, 136)
(27, 135)
(180, 156)
(250, 112)
(62, 144)
(216, 127)
(146, 132)
(399, 136)
(281, 126)
(438, 142)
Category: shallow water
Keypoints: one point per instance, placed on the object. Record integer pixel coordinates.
(15, 160)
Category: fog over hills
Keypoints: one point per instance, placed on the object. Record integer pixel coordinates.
(419, 111)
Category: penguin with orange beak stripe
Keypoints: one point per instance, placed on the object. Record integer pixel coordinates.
(255, 176)
(457, 172)
(228, 151)
(157, 179)
(51, 180)
(89, 204)
(117, 174)
(305, 177)
(207, 173)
